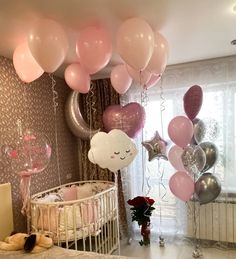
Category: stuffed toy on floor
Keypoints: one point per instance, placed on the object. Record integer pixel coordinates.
(33, 243)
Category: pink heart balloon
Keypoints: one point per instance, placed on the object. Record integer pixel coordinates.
(129, 118)
(193, 101)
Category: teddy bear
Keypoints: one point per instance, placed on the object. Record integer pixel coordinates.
(33, 243)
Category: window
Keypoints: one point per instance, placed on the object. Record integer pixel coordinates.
(152, 178)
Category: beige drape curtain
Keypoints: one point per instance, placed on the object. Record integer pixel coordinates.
(92, 106)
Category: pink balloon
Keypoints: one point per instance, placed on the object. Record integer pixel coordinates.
(158, 61)
(175, 158)
(130, 118)
(152, 81)
(48, 44)
(193, 101)
(135, 42)
(182, 185)
(141, 77)
(25, 65)
(180, 130)
(94, 48)
(120, 79)
(77, 78)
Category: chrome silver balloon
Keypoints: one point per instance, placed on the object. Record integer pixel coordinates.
(211, 152)
(207, 188)
(75, 120)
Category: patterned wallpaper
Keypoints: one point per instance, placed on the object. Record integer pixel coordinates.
(33, 105)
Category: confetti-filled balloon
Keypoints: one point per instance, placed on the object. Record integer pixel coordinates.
(206, 130)
(32, 153)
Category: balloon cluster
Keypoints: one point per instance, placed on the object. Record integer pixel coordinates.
(144, 52)
(194, 154)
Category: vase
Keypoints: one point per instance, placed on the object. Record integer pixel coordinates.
(145, 232)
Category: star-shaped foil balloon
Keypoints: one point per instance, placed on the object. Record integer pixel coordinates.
(156, 147)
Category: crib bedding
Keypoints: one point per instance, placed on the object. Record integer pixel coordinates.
(58, 253)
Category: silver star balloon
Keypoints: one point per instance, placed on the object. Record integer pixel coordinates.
(156, 147)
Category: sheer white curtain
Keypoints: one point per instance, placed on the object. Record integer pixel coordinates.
(218, 80)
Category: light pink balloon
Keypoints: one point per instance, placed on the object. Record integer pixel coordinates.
(175, 158)
(158, 61)
(94, 48)
(135, 42)
(152, 81)
(180, 130)
(141, 77)
(182, 185)
(25, 65)
(120, 79)
(48, 44)
(77, 78)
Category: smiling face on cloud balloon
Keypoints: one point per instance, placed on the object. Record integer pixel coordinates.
(113, 150)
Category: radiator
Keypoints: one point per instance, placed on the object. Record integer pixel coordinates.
(213, 221)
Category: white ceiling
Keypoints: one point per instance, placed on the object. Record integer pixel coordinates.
(195, 29)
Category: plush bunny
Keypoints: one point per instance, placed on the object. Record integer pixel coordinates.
(33, 243)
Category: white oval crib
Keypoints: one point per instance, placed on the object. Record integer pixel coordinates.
(80, 215)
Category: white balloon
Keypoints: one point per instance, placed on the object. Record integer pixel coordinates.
(113, 150)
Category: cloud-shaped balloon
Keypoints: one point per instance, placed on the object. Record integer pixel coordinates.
(113, 150)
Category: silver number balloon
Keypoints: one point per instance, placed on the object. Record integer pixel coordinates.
(75, 119)
(207, 188)
(211, 152)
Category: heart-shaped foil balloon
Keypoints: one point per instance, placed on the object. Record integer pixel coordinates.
(129, 118)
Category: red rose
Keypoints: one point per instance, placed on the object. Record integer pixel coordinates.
(140, 200)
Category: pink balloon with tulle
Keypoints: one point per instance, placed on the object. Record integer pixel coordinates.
(25, 65)
(135, 42)
(182, 185)
(120, 79)
(94, 48)
(77, 78)
(140, 77)
(48, 44)
(152, 81)
(180, 130)
(174, 156)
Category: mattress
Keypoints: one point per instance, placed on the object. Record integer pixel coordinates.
(58, 253)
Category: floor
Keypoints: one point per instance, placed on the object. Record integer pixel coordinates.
(171, 251)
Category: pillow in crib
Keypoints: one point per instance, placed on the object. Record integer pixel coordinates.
(84, 191)
(51, 197)
(68, 193)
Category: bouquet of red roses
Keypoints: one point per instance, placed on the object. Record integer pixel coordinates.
(141, 212)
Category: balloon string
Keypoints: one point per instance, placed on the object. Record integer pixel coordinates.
(162, 106)
(26, 106)
(161, 172)
(55, 105)
(144, 100)
(90, 102)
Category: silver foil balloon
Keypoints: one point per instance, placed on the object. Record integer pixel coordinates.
(211, 153)
(75, 119)
(207, 188)
(194, 159)
(156, 147)
(206, 130)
